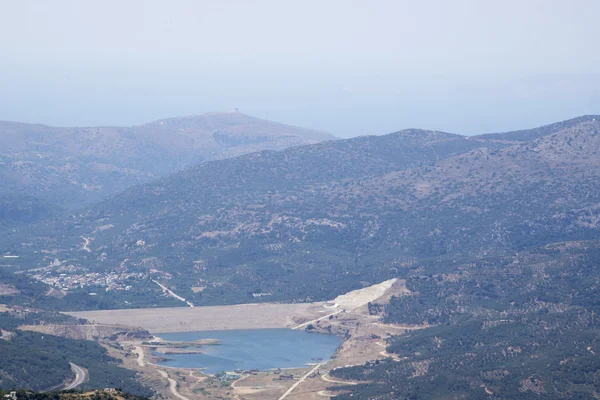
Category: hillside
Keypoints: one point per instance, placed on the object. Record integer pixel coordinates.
(110, 394)
(535, 133)
(338, 213)
(518, 327)
(73, 167)
(265, 214)
(497, 243)
(40, 362)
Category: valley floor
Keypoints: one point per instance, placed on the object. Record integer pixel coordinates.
(346, 316)
(364, 341)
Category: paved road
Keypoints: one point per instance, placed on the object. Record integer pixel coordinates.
(79, 376)
(305, 324)
(295, 385)
(172, 294)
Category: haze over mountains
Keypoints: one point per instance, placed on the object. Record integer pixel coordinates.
(495, 238)
(345, 211)
(440, 222)
(45, 168)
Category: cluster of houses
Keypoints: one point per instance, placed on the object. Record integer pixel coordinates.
(228, 376)
(247, 371)
(109, 280)
(70, 278)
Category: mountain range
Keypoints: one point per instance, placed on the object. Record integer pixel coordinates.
(45, 169)
(495, 237)
(346, 212)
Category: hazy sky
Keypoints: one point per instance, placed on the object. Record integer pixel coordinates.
(346, 67)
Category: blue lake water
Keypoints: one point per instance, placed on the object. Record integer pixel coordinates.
(261, 349)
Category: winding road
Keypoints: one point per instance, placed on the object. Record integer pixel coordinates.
(80, 376)
(86, 244)
(172, 382)
(172, 385)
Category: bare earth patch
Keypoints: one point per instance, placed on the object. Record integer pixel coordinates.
(7, 290)
(347, 316)
(189, 319)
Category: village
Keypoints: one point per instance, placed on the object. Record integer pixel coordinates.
(72, 277)
(347, 316)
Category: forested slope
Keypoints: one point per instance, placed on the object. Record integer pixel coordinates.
(511, 327)
(338, 213)
(32, 360)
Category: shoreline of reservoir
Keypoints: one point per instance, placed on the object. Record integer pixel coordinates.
(252, 349)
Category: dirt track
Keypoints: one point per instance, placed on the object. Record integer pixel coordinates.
(172, 385)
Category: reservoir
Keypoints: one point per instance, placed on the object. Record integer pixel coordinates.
(261, 349)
